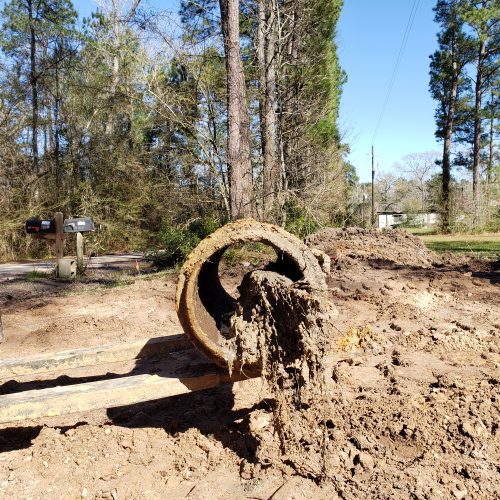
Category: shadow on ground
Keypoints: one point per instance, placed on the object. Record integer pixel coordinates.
(210, 411)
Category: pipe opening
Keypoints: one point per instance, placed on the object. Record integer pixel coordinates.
(222, 273)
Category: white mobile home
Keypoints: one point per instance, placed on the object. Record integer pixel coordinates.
(394, 219)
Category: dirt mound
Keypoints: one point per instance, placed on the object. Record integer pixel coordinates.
(388, 245)
(404, 424)
(411, 406)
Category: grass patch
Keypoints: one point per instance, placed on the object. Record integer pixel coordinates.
(255, 253)
(420, 231)
(35, 275)
(119, 280)
(486, 245)
(91, 283)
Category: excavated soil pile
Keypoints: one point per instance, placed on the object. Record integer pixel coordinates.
(412, 400)
(389, 245)
(287, 327)
(408, 426)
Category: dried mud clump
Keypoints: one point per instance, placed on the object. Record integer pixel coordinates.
(287, 327)
(388, 245)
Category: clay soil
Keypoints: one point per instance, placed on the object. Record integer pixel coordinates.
(412, 383)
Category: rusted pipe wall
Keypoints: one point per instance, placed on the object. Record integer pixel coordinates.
(201, 300)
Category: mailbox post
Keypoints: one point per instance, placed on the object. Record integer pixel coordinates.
(79, 225)
(54, 231)
(79, 251)
(59, 246)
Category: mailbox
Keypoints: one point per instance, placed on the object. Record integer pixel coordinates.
(36, 226)
(78, 225)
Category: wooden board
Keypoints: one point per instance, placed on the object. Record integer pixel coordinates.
(181, 369)
(188, 372)
(43, 363)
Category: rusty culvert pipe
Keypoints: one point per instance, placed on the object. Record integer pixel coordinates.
(201, 300)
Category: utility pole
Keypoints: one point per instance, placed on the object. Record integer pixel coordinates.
(373, 187)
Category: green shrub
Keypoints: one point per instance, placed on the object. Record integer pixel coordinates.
(178, 242)
(494, 223)
(298, 221)
(254, 252)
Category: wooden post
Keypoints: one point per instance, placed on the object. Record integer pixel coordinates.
(79, 252)
(59, 246)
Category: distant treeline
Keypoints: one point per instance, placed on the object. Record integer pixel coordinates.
(163, 127)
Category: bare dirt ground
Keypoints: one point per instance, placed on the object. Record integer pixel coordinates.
(413, 387)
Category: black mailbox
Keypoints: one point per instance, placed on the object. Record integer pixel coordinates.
(36, 226)
(78, 225)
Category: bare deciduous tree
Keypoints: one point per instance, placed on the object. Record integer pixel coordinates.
(419, 168)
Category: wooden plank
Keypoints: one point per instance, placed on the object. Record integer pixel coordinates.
(32, 365)
(89, 396)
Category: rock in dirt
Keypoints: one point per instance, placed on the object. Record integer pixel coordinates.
(365, 460)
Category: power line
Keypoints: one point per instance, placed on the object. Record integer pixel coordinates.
(402, 48)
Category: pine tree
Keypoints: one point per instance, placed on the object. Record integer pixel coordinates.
(33, 34)
(309, 87)
(238, 135)
(266, 56)
(483, 18)
(447, 86)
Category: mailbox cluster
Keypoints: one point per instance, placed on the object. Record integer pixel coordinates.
(52, 230)
(75, 225)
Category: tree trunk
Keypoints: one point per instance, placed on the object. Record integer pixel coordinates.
(238, 143)
(261, 57)
(34, 90)
(446, 166)
(115, 71)
(286, 97)
(476, 172)
(267, 82)
(492, 168)
(57, 131)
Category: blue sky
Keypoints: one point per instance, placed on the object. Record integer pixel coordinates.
(370, 33)
(369, 38)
